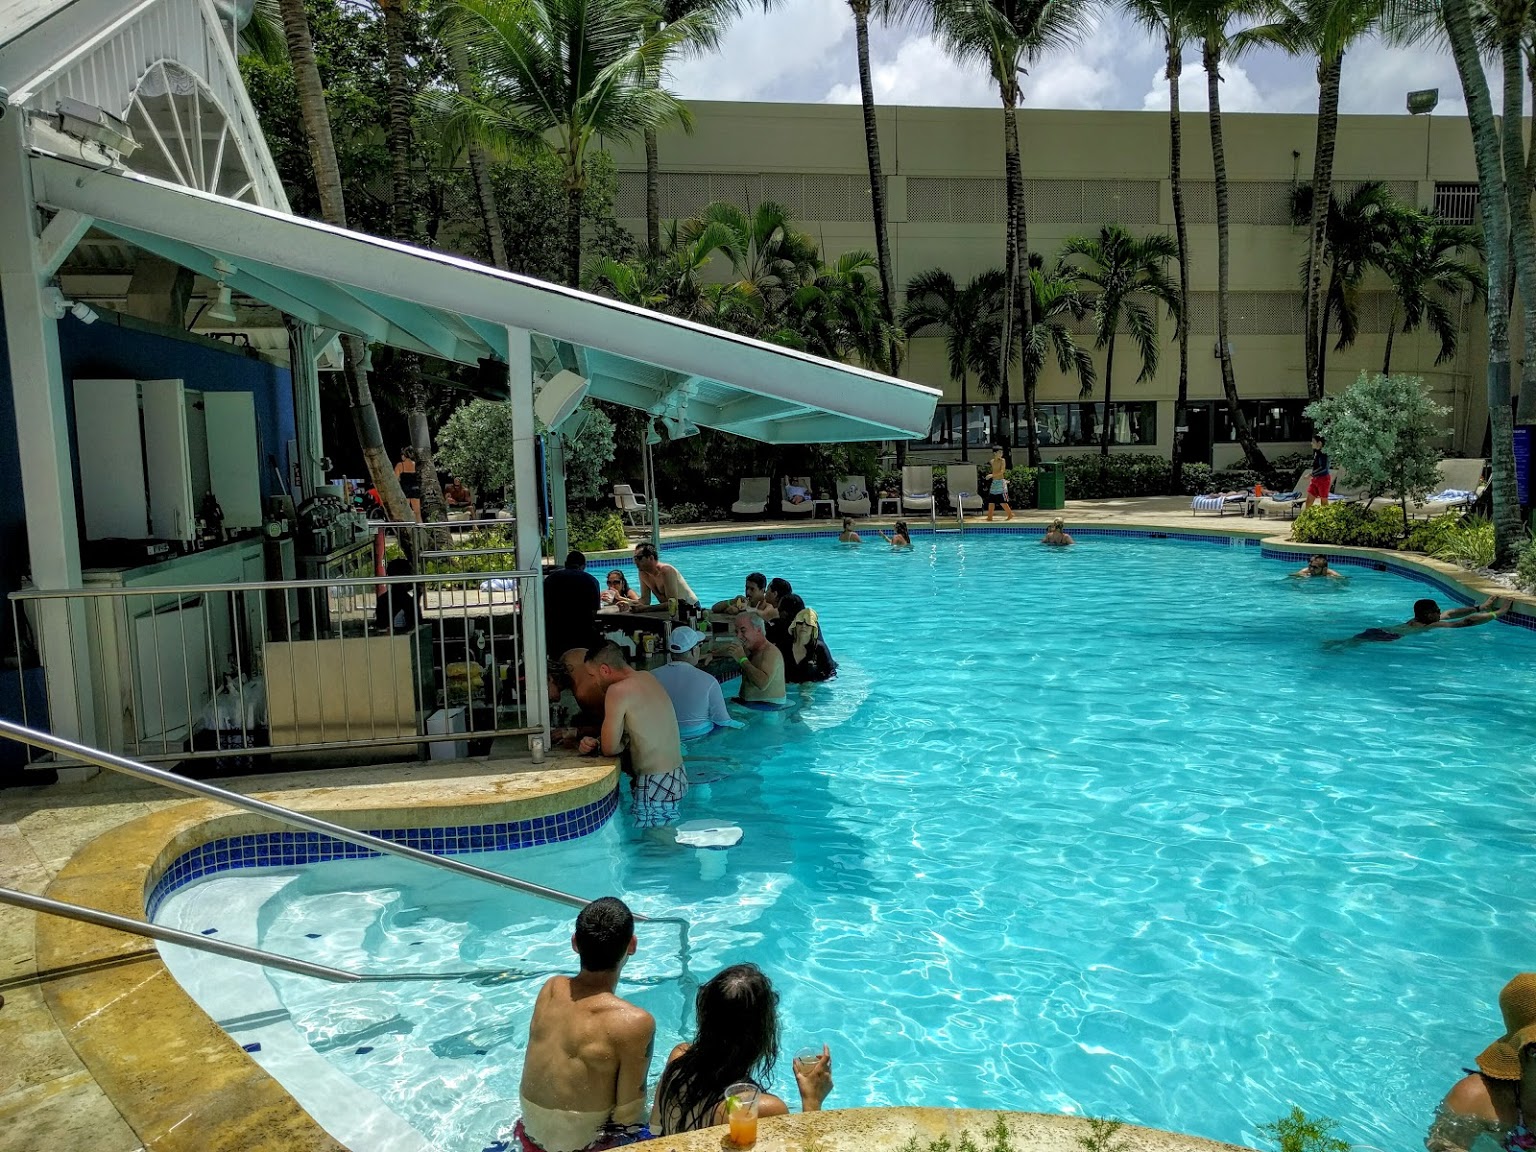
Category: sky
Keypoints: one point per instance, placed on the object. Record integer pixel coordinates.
(803, 51)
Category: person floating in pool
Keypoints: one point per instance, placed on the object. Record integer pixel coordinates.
(1494, 1106)
(1317, 568)
(589, 1050)
(997, 484)
(848, 536)
(640, 725)
(762, 664)
(1056, 534)
(1427, 615)
(899, 537)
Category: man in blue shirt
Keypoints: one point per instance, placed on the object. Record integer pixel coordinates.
(1322, 477)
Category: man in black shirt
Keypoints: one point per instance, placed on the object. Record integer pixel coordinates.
(571, 600)
(1322, 475)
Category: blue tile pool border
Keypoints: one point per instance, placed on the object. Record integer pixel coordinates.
(289, 849)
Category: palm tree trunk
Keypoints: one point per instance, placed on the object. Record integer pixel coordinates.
(1181, 234)
(1386, 360)
(573, 230)
(1328, 72)
(479, 164)
(401, 217)
(965, 415)
(1522, 233)
(1325, 323)
(652, 195)
(1024, 297)
(1256, 458)
(1492, 205)
(876, 182)
(1525, 405)
(1109, 379)
(322, 154)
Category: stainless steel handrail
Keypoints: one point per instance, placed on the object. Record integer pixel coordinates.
(267, 585)
(59, 746)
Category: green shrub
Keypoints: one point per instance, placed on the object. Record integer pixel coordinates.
(1525, 566)
(597, 532)
(1197, 478)
(1283, 470)
(1349, 524)
(1021, 486)
(1471, 546)
(1428, 536)
(1103, 1136)
(1297, 1132)
(1237, 480)
(1095, 477)
(687, 512)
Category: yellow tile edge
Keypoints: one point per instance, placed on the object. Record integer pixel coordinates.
(179, 1080)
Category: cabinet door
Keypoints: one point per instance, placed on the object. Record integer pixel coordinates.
(111, 460)
(172, 514)
(234, 456)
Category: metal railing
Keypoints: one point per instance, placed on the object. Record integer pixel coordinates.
(224, 670)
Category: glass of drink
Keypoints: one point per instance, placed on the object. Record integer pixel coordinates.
(672, 606)
(741, 1114)
(807, 1056)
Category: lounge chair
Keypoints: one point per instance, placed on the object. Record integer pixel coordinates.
(1457, 488)
(1285, 503)
(752, 496)
(852, 496)
(1221, 503)
(802, 510)
(965, 488)
(917, 488)
(631, 505)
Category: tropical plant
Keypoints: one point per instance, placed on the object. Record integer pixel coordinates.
(1007, 37)
(322, 149)
(1212, 21)
(1125, 273)
(935, 303)
(840, 314)
(1298, 1132)
(1342, 523)
(1170, 20)
(475, 445)
(1382, 433)
(1470, 546)
(769, 257)
(1525, 565)
(1324, 29)
(1055, 299)
(554, 75)
(1429, 276)
(1103, 1136)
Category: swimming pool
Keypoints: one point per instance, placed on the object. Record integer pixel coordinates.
(1104, 830)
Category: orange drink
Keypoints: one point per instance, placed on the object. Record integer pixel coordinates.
(741, 1114)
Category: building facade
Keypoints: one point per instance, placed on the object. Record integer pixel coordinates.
(944, 175)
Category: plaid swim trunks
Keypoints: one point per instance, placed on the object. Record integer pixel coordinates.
(657, 797)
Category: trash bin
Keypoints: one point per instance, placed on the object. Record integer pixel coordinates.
(1050, 485)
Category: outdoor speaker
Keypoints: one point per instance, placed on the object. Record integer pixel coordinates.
(558, 398)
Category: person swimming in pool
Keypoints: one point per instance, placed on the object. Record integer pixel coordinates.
(1317, 568)
(848, 536)
(762, 664)
(1056, 534)
(589, 1050)
(899, 537)
(1427, 615)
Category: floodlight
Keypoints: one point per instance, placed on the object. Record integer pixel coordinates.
(558, 397)
(1423, 101)
(223, 309)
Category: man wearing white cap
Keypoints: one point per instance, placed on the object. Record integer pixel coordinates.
(696, 695)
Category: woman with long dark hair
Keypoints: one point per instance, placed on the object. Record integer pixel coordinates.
(737, 1041)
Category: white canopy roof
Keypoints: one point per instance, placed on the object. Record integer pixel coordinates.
(452, 308)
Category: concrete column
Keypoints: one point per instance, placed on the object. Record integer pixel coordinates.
(42, 433)
(554, 460)
(525, 495)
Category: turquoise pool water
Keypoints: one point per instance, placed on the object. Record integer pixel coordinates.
(1105, 830)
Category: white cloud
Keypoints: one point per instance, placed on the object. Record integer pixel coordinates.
(788, 54)
(921, 72)
(1238, 91)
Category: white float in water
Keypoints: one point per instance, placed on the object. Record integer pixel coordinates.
(711, 838)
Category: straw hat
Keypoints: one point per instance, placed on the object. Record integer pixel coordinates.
(1501, 1059)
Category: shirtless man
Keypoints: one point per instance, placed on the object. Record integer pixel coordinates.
(762, 664)
(657, 579)
(1427, 615)
(584, 1075)
(638, 722)
(755, 589)
(1317, 568)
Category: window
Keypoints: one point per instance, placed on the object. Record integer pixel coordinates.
(1457, 203)
(947, 423)
(1058, 425)
(1272, 421)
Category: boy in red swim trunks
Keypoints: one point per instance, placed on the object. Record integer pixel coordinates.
(1322, 478)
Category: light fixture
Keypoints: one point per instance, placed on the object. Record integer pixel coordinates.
(83, 312)
(58, 304)
(96, 126)
(223, 309)
(1423, 101)
(652, 436)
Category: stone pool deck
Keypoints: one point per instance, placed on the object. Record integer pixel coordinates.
(102, 1050)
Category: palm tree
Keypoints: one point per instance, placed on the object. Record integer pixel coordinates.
(840, 313)
(322, 154)
(1006, 37)
(770, 258)
(1211, 20)
(1126, 272)
(936, 303)
(1428, 272)
(1457, 16)
(1170, 19)
(554, 74)
(1055, 298)
(1325, 29)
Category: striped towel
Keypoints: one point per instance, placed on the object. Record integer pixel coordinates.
(1216, 502)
